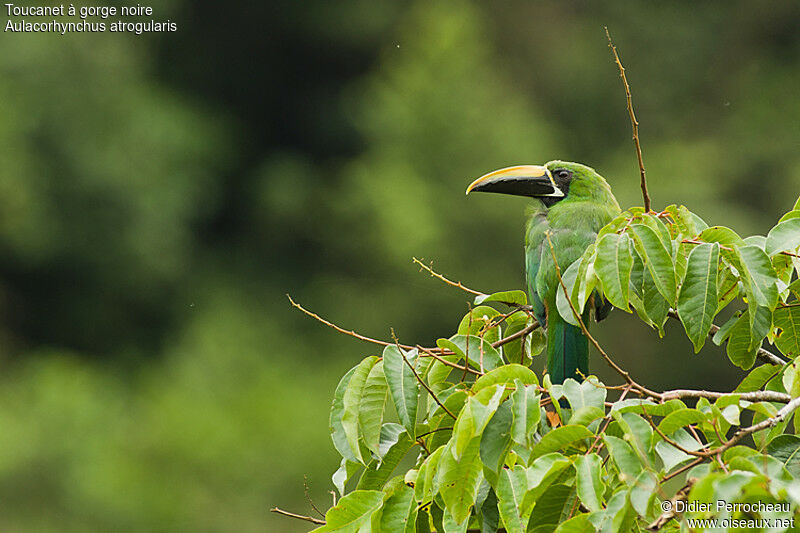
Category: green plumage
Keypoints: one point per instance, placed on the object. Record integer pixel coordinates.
(572, 223)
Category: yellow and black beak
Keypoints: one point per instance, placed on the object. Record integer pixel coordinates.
(522, 180)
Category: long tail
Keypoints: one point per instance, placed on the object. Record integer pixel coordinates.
(567, 350)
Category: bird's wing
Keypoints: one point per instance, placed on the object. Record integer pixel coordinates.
(534, 239)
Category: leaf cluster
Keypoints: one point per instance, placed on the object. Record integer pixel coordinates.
(466, 437)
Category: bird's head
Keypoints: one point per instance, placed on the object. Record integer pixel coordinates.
(551, 183)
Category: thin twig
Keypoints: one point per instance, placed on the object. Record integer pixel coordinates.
(670, 441)
(444, 361)
(421, 381)
(682, 469)
(298, 516)
(351, 333)
(308, 497)
(634, 123)
(607, 421)
(456, 284)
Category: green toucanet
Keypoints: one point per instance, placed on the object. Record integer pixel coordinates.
(572, 203)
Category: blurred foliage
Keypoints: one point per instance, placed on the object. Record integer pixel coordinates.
(160, 194)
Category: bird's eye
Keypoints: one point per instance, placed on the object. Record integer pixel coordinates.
(562, 173)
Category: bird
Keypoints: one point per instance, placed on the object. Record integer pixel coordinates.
(572, 202)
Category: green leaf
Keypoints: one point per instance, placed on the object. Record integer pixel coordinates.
(353, 512)
(740, 347)
(496, 440)
(613, 267)
(524, 403)
(473, 418)
(757, 378)
(427, 482)
(786, 449)
(576, 524)
(399, 511)
(511, 488)
(638, 433)
(511, 297)
(576, 288)
(618, 515)
(670, 455)
(490, 515)
(372, 406)
(685, 220)
(586, 415)
(655, 307)
(506, 375)
(589, 393)
(722, 235)
(628, 463)
(724, 331)
(680, 418)
(403, 387)
(394, 445)
(589, 483)
(478, 320)
(343, 474)
(338, 435)
(541, 473)
(512, 351)
(697, 302)
(783, 237)
(658, 260)
(559, 439)
(643, 492)
(476, 348)
(787, 320)
(763, 287)
(459, 479)
(551, 507)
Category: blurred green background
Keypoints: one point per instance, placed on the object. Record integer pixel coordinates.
(160, 194)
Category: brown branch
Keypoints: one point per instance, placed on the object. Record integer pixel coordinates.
(757, 396)
(682, 469)
(421, 381)
(444, 361)
(785, 411)
(298, 516)
(588, 335)
(634, 123)
(671, 442)
(351, 333)
(308, 497)
(517, 335)
(456, 284)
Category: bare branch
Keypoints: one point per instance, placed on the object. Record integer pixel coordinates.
(456, 284)
(757, 396)
(298, 516)
(308, 497)
(351, 333)
(769, 422)
(634, 123)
